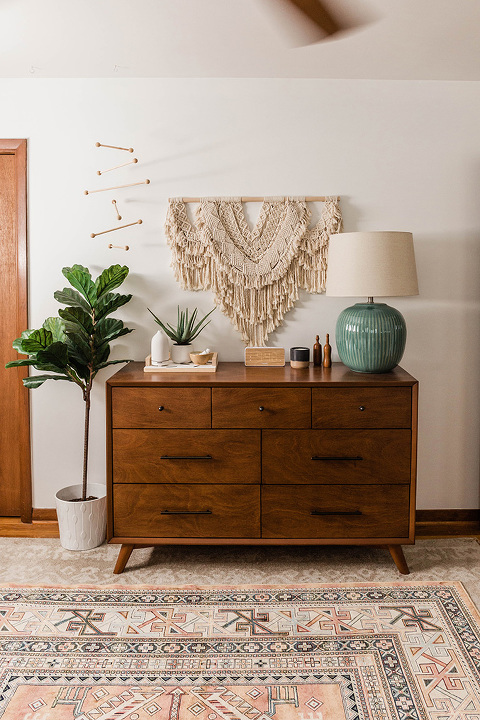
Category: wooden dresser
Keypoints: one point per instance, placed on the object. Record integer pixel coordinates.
(261, 456)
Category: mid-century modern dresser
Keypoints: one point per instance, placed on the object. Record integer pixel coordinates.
(261, 456)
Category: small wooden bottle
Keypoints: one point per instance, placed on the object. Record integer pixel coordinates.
(317, 352)
(327, 354)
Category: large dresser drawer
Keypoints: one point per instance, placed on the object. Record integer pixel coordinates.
(186, 456)
(159, 407)
(261, 407)
(362, 407)
(335, 511)
(196, 511)
(336, 456)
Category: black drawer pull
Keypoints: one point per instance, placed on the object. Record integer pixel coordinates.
(361, 408)
(336, 512)
(335, 457)
(261, 408)
(186, 512)
(186, 457)
(161, 408)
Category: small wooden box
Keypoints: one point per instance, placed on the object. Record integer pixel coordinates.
(264, 356)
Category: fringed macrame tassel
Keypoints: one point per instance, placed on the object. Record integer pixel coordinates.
(254, 275)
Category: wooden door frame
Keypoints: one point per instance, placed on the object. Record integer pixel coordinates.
(18, 148)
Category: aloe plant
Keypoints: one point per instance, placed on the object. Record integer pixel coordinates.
(76, 345)
(186, 330)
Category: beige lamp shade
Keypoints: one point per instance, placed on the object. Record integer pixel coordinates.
(371, 264)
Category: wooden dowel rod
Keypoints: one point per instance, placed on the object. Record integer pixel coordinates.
(102, 172)
(116, 187)
(115, 147)
(120, 247)
(312, 198)
(120, 227)
(114, 203)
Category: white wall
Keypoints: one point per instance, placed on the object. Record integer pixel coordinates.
(402, 155)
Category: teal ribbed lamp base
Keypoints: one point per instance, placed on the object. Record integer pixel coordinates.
(370, 337)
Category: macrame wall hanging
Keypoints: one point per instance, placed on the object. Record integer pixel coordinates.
(255, 275)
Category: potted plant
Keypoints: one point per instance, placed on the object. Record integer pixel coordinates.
(184, 334)
(74, 347)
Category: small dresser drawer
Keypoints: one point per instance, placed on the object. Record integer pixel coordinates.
(335, 511)
(336, 456)
(186, 456)
(362, 407)
(158, 407)
(261, 408)
(196, 511)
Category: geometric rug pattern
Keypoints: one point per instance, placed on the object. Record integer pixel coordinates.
(317, 652)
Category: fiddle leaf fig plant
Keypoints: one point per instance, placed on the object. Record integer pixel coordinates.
(75, 345)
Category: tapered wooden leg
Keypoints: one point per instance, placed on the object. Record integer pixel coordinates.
(123, 556)
(398, 557)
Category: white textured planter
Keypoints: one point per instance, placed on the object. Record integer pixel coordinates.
(82, 525)
(181, 353)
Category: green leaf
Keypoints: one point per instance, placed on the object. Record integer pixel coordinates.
(56, 327)
(79, 277)
(78, 317)
(37, 340)
(34, 381)
(181, 321)
(200, 326)
(115, 335)
(79, 340)
(110, 362)
(169, 331)
(20, 363)
(77, 361)
(56, 356)
(77, 353)
(17, 344)
(67, 296)
(106, 326)
(102, 354)
(110, 279)
(109, 303)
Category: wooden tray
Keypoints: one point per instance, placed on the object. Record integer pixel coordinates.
(187, 367)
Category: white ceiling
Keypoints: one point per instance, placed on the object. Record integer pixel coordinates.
(400, 39)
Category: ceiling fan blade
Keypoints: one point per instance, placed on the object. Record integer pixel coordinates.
(317, 12)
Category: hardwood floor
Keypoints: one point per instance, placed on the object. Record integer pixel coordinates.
(44, 528)
(452, 529)
(448, 523)
(14, 527)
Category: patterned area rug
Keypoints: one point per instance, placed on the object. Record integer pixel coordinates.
(324, 652)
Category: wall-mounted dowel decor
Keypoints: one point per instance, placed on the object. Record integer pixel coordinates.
(132, 162)
(116, 187)
(120, 227)
(312, 198)
(114, 203)
(255, 275)
(115, 147)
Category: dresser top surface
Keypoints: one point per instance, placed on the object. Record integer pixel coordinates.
(235, 373)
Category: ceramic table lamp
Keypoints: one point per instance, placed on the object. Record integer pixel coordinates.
(371, 336)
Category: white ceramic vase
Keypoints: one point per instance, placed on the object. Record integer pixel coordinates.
(83, 524)
(181, 353)
(160, 347)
